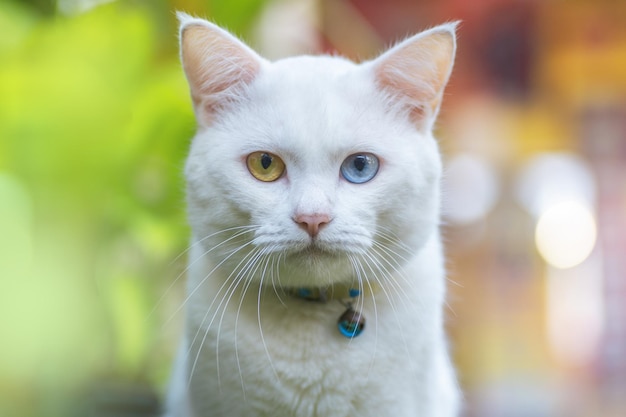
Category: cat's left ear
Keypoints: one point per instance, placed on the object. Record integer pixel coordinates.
(218, 66)
(416, 71)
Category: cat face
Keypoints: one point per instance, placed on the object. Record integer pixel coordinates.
(312, 167)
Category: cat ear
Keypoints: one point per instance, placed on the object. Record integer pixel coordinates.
(416, 71)
(217, 65)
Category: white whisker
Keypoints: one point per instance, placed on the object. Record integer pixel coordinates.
(192, 292)
(388, 235)
(358, 269)
(238, 278)
(275, 269)
(245, 229)
(396, 268)
(382, 286)
(258, 312)
(232, 286)
(246, 275)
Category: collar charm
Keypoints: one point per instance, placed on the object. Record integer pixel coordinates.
(351, 322)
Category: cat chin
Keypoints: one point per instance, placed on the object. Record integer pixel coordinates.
(315, 266)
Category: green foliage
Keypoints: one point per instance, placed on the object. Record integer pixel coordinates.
(236, 15)
(95, 121)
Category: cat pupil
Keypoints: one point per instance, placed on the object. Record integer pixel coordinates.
(266, 161)
(360, 162)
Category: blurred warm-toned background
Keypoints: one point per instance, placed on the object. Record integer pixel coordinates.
(95, 120)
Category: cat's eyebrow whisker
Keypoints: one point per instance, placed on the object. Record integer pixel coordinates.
(247, 229)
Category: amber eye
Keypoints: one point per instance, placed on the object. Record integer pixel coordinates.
(265, 166)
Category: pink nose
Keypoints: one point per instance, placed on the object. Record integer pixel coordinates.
(312, 222)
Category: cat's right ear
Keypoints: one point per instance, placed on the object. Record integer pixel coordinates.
(415, 72)
(218, 65)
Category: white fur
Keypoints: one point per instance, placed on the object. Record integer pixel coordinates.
(249, 348)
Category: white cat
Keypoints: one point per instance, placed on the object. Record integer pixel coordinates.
(313, 193)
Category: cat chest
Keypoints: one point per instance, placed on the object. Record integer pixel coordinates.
(293, 361)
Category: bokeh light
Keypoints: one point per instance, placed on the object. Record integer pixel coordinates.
(470, 189)
(551, 178)
(566, 234)
(575, 312)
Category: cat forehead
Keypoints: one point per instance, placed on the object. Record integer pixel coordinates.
(308, 65)
(316, 108)
(306, 77)
(317, 105)
(315, 93)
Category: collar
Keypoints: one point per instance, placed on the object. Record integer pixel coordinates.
(325, 294)
(351, 323)
(340, 292)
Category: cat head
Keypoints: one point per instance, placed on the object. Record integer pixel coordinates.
(315, 168)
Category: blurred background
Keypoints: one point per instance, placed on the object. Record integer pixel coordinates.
(95, 121)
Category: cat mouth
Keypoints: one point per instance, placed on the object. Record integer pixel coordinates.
(315, 250)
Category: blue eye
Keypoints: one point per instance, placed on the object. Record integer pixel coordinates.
(359, 168)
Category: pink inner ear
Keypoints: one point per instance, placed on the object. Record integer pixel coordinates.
(417, 71)
(214, 63)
